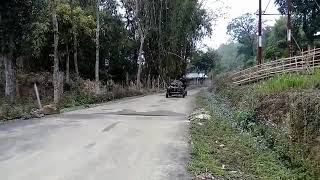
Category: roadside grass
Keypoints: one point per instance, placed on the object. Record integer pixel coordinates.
(288, 82)
(72, 100)
(222, 146)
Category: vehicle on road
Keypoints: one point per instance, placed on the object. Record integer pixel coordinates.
(176, 88)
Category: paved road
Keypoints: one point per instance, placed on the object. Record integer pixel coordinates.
(142, 138)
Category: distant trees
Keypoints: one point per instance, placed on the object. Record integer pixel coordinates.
(230, 59)
(205, 61)
(243, 29)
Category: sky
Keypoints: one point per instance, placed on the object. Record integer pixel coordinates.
(235, 8)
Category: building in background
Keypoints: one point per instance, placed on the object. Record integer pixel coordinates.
(196, 78)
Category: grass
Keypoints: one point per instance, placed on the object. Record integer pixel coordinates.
(232, 146)
(289, 82)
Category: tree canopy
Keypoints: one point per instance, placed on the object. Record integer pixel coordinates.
(171, 30)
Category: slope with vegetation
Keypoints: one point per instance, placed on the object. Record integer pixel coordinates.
(263, 131)
(269, 129)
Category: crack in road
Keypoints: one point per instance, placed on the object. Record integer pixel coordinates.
(108, 128)
(159, 113)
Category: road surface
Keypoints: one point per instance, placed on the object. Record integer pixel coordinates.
(142, 138)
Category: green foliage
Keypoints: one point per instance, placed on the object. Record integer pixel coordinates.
(14, 26)
(204, 62)
(17, 111)
(306, 15)
(276, 41)
(243, 29)
(230, 60)
(289, 82)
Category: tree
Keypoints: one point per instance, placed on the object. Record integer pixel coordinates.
(15, 18)
(56, 71)
(205, 61)
(141, 15)
(306, 13)
(230, 59)
(243, 29)
(276, 41)
(75, 39)
(97, 43)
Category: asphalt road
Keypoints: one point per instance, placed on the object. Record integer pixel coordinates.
(142, 138)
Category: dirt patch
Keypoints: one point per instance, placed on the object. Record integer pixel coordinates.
(273, 108)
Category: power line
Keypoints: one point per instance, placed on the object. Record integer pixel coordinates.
(267, 6)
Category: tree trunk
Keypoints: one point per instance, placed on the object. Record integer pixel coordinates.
(10, 76)
(97, 44)
(127, 78)
(75, 42)
(56, 78)
(68, 65)
(140, 62)
(75, 55)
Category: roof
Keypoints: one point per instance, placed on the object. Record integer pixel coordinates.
(196, 75)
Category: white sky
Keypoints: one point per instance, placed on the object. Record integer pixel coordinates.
(236, 8)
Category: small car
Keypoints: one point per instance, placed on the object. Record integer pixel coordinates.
(176, 88)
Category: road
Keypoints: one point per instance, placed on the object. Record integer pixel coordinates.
(143, 138)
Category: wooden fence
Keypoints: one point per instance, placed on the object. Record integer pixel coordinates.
(306, 62)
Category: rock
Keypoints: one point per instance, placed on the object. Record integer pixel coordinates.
(199, 114)
(206, 176)
(50, 109)
(37, 114)
(203, 116)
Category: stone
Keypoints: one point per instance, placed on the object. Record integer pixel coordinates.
(50, 109)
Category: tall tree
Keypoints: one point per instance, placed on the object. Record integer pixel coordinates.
(56, 73)
(243, 29)
(15, 18)
(97, 43)
(142, 31)
(75, 40)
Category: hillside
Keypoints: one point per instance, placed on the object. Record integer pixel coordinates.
(267, 130)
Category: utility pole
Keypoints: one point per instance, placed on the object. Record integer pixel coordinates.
(259, 57)
(289, 27)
